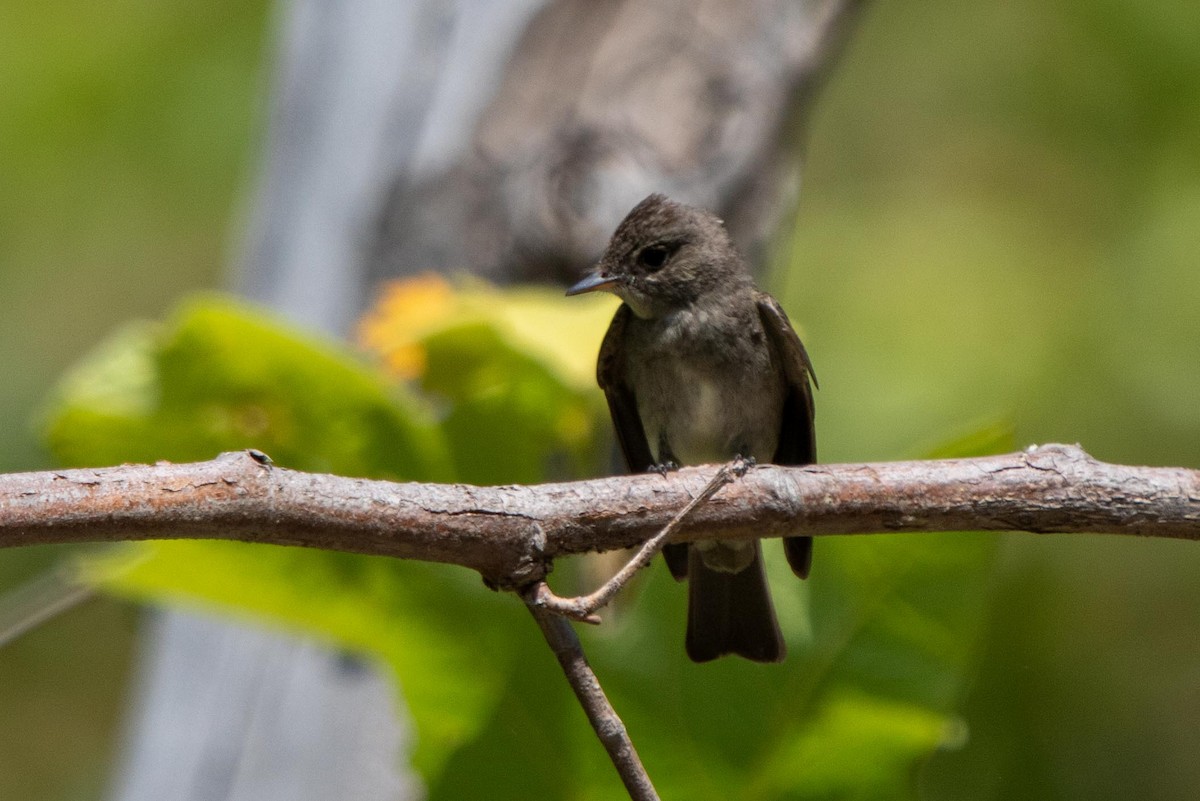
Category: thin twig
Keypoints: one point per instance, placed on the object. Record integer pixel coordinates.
(607, 725)
(583, 608)
(31, 604)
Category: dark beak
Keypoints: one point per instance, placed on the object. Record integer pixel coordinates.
(593, 282)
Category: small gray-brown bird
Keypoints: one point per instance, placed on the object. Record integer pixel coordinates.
(699, 366)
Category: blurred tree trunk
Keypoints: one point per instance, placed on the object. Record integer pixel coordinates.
(500, 137)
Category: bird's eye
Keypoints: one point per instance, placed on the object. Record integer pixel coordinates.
(653, 257)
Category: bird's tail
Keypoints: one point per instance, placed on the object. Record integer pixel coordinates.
(731, 613)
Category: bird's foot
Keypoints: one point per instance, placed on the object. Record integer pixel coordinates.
(664, 467)
(742, 464)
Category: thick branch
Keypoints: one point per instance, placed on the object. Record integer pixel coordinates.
(511, 534)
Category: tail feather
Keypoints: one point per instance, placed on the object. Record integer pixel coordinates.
(676, 554)
(798, 551)
(731, 613)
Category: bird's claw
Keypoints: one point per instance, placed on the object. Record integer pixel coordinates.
(742, 464)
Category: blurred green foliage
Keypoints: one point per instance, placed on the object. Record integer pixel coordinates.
(1001, 216)
(999, 219)
(126, 130)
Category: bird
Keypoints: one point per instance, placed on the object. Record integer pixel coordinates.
(700, 366)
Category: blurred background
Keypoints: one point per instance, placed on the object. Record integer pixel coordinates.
(999, 219)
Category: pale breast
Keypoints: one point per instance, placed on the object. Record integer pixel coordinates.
(706, 394)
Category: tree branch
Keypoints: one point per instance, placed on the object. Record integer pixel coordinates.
(512, 534)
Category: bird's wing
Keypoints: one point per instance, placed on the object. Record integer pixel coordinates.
(797, 439)
(622, 405)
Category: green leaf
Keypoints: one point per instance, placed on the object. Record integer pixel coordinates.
(221, 377)
(510, 414)
(513, 369)
(528, 748)
(859, 747)
(447, 638)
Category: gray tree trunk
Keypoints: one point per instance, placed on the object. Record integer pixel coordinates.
(502, 137)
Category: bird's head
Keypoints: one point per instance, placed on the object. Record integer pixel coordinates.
(665, 256)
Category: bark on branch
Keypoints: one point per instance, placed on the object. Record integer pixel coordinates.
(512, 534)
